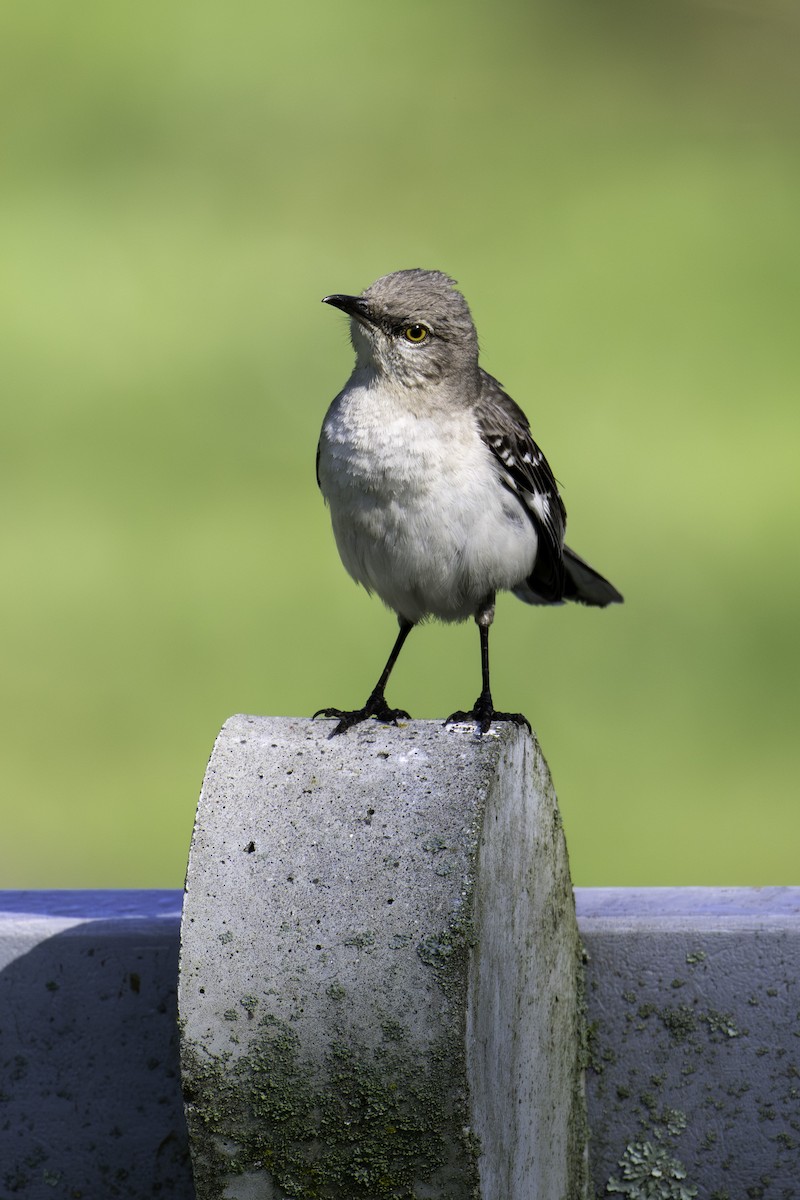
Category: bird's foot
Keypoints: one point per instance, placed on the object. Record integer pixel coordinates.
(375, 707)
(483, 713)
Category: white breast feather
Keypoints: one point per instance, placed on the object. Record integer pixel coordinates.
(418, 511)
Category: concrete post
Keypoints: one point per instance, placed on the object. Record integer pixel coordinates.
(379, 986)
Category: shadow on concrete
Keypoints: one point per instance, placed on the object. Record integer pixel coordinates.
(90, 1102)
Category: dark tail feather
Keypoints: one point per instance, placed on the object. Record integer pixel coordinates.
(584, 584)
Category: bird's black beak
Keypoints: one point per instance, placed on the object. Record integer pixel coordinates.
(354, 306)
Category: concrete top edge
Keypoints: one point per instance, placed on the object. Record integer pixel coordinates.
(660, 906)
(235, 720)
(687, 907)
(94, 905)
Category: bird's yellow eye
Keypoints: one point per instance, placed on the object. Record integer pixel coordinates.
(416, 333)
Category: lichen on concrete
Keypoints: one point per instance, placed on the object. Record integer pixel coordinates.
(371, 1126)
(649, 1172)
(710, 1060)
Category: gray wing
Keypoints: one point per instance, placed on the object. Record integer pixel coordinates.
(526, 473)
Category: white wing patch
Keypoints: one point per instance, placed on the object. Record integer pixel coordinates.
(540, 503)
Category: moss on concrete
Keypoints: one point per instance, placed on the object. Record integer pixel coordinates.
(373, 1125)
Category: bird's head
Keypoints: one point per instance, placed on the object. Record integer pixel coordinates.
(413, 328)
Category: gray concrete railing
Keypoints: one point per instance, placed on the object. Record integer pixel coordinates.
(692, 1004)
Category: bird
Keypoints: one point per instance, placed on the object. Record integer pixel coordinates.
(439, 497)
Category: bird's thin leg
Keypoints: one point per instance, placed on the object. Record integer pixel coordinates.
(483, 710)
(376, 705)
(485, 698)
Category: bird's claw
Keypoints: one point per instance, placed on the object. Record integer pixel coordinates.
(375, 707)
(483, 713)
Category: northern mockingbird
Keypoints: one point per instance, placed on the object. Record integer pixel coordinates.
(439, 495)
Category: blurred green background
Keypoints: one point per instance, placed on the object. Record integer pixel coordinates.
(616, 186)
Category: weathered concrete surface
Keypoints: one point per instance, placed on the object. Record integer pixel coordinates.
(379, 969)
(90, 1102)
(89, 1096)
(694, 1010)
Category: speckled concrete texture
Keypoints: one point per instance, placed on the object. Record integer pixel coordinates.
(694, 1010)
(379, 968)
